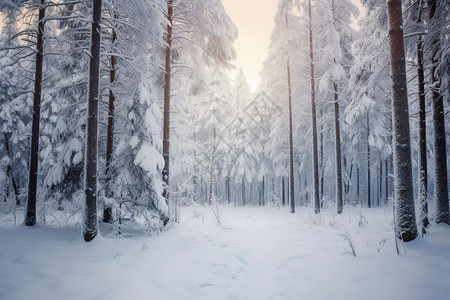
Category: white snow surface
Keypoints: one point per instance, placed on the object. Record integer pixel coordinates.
(255, 253)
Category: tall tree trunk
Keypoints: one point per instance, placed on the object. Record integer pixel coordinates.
(337, 143)
(90, 224)
(369, 202)
(291, 147)
(211, 167)
(243, 192)
(228, 189)
(348, 180)
(9, 172)
(380, 178)
(321, 163)
(291, 142)
(314, 118)
(263, 194)
(283, 195)
(107, 212)
(423, 171)
(404, 199)
(358, 185)
(440, 147)
(30, 218)
(386, 183)
(167, 89)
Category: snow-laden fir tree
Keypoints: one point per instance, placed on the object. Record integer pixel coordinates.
(192, 25)
(14, 112)
(368, 116)
(335, 60)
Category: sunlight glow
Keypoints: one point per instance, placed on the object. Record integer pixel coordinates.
(254, 19)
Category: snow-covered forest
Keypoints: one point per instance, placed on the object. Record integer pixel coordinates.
(119, 120)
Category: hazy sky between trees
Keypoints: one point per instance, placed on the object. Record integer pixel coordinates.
(254, 19)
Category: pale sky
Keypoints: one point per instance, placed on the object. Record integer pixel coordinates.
(254, 20)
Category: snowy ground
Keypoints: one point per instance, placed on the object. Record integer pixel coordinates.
(256, 253)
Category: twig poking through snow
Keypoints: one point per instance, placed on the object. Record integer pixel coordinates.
(347, 238)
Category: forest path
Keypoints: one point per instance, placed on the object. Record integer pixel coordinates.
(254, 253)
(260, 253)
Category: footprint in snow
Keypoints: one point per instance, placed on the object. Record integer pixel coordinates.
(205, 284)
(241, 259)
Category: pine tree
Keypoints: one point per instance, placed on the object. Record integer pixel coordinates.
(15, 112)
(192, 24)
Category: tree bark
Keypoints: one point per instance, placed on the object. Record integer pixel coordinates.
(107, 212)
(386, 179)
(369, 202)
(337, 143)
(423, 171)
(243, 192)
(440, 147)
(404, 199)
(321, 160)
(167, 89)
(90, 224)
(9, 172)
(291, 146)
(211, 167)
(314, 119)
(30, 218)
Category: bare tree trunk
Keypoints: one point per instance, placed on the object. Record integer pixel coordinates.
(167, 89)
(291, 148)
(90, 224)
(9, 172)
(337, 143)
(283, 195)
(404, 199)
(369, 204)
(107, 212)
(263, 194)
(30, 218)
(358, 187)
(211, 166)
(380, 179)
(423, 171)
(291, 143)
(314, 119)
(321, 163)
(243, 192)
(440, 147)
(386, 177)
(228, 190)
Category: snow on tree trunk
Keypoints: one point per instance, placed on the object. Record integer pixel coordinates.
(167, 78)
(291, 147)
(90, 225)
(337, 137)
(107, 212)
(30, 218)
(9, 173)
(314, 119)
(404, 199)
(440, 149)
(369, 202)
(422, 163)
(212, 161)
